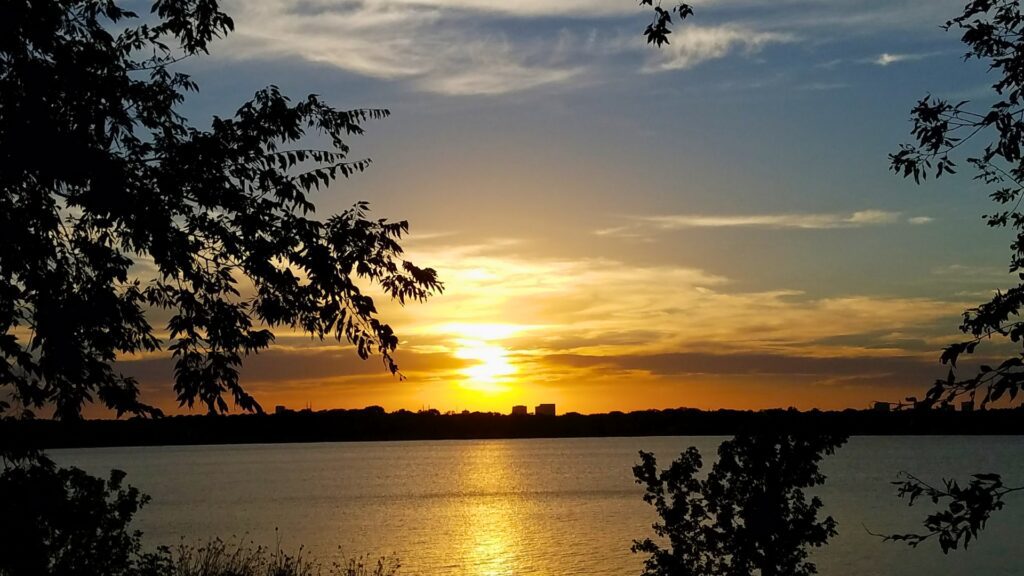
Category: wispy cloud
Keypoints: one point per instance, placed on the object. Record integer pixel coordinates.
(524, 8)
(427, 44)
(692, 45)
(844, 18)
(972, 273)
(589, 306)
(886, 58)
(473, 47)
(822, 86)
(819, 221)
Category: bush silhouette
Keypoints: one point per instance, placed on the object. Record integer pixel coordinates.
(749, 514)
(64, 522)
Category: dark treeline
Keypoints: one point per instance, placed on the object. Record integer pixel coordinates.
(374, 423)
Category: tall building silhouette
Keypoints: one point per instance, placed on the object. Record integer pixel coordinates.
(544, 410)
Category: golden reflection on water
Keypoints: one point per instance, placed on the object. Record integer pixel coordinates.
(493, 530)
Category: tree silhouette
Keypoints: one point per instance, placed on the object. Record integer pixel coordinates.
(968, 508)
(750, 513)
(993, 31)
(113, 206)
(62, 521)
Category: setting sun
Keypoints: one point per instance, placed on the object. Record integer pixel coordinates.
(492, 371)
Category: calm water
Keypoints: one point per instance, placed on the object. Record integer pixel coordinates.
(558, 506)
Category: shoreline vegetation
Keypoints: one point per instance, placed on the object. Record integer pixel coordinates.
(217, 557)
(375, 424)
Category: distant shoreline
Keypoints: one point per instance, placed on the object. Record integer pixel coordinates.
(374, 424)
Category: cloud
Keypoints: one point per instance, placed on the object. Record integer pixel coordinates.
(691, 45)
(642, 227)
(971, 273)
(819, 221)
(823, 86)
(886, 58)
(429, 45)
(603, 306)
(833, 19)
(283, 363)
(477, 47)
(910, 367)
(522, 8)
(563, 323)
(502, 76)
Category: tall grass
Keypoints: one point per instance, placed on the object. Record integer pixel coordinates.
(219, 558)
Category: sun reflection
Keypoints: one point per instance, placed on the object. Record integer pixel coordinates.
(493, 535)
(492, 551)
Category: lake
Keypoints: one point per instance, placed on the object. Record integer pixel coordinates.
(529, 507)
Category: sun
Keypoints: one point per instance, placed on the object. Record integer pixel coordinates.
(492, 370)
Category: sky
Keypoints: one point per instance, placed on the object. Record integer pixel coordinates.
(711, 224)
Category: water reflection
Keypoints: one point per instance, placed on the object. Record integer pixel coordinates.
(492, 529)
(492, 532)
(524, 507)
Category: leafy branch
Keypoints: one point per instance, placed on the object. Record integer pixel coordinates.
(967, 508)
(658, 30)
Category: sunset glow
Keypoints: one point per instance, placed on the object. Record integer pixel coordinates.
(511, 287)
(492, 369)
(618, 227)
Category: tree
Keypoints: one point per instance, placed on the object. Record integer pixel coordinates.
(101, 174)
(750, 513)
(113, 208)
(63, 521)
(993, 31)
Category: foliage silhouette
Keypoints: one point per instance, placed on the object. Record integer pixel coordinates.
(750, 513)
(993, 31)
(114, 206)
(658, 30)
(968, 508)
(218, 558)
(62, 521)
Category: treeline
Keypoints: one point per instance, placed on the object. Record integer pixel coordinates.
(374, 423)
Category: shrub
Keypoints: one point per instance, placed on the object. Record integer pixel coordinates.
(749, 514)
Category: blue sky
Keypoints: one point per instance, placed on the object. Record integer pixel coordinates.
(613, 218)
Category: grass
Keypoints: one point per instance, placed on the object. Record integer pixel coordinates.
(219, 558)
